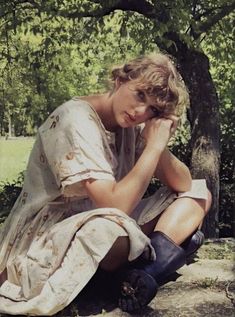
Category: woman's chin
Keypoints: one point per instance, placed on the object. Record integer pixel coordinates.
(127, 123)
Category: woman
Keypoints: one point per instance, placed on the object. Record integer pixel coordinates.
(81, 205)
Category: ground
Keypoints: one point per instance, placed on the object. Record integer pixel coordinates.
(205, 287)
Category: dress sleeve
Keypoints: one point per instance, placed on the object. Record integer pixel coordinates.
(75, 145)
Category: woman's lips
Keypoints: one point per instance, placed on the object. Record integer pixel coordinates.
(130, 117)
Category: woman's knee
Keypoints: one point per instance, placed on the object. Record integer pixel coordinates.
(208, 201)
(205, 204)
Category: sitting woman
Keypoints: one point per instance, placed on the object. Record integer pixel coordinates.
(82, 208)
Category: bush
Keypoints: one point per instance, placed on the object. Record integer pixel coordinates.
(8, 195)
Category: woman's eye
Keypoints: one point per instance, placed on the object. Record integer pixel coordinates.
(155, 111)
(141, 95)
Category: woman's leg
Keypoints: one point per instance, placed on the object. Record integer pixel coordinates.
(180, 219)
(117, 255)
(167, 232)
(3, 277)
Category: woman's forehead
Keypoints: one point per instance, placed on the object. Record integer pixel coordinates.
(135, 86)
(145, 86)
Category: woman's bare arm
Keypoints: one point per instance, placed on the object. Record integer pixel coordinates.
(173, 173)
(126, 193)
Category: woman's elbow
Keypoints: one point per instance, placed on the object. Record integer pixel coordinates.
(184, 183)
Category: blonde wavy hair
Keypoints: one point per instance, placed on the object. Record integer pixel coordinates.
(156, 75)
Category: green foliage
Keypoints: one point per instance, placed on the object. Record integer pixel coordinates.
(52, 50)
(218, 250)
(50, 60)
(8, 195)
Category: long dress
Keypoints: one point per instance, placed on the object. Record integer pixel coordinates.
(54, 239)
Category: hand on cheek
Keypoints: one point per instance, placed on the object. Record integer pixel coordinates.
(157, 132)
(175, 122)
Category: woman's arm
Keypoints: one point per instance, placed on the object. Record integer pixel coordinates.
(173, 173)
(126, 193)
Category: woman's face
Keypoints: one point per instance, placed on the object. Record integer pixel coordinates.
(131, 105)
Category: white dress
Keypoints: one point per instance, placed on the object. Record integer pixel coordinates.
(54, 239)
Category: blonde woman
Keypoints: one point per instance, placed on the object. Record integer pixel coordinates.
(81, 205)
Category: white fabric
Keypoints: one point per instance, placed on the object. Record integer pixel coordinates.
(52, 244)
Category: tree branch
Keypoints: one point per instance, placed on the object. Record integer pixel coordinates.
(194, 5)
(106, 7)
(211, 21)
(206, 12)
(141, 6)
(13, 5)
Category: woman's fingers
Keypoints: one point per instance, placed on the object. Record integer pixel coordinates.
(175, 121)
(157, 132)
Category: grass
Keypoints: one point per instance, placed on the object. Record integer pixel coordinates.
(207, 282)
(218, 250)
(14, 154)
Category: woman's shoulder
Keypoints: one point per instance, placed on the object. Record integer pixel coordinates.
(74, 114)
(76, 106)
(74, 111)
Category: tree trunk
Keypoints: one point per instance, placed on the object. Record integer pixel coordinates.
(233, 208)
(205, 129)
(9, 126)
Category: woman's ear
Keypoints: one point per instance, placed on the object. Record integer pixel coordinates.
(118, 83)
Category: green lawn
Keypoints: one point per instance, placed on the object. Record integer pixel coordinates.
(14, 156)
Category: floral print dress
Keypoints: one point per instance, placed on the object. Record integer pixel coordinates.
(54, 239)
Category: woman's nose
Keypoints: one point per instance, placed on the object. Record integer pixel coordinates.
(140, 109)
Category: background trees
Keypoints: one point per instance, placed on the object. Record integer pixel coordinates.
(51, 50)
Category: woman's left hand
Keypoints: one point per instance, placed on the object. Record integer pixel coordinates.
(175, 121)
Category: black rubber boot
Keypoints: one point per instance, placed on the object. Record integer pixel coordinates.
(140, 284)
(193, 243)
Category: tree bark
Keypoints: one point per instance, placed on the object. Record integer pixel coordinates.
(203, 116)
(9, 126)
(205, 129)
